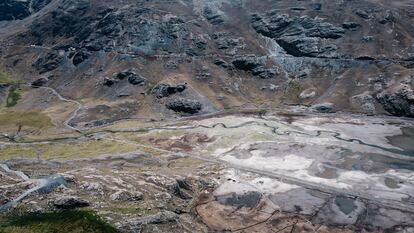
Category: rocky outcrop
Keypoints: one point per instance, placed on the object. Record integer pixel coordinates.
(133, 77)
(135, 225)
(40, 82)
(254, 65)
(399, 102)
(365, 102)
(298, 36)
(166, 90)
(80, 57)
(69, 202)
(49, 62)
(124, 195)
(351, 25)
(184, 106)
(213, 16)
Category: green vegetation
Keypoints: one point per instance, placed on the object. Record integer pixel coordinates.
(13, 97)
(4, 78)
(292, 91)
(54, 222)
(30, 118)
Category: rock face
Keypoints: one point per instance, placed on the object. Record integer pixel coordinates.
(298, 36)
(69, 202)
(15, 9)
(184, 106)
(49, 62)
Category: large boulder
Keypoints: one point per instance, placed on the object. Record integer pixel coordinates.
(69, 202)
(124, 195)
(184, 106)
(399, 102)
(165, 90)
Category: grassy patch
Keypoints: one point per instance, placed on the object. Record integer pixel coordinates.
(13, 97)
(66, 221)
(292, 92)
(80, 149)
(30, 118)
(4, 77)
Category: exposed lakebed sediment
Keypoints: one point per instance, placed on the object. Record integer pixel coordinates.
(338, 170)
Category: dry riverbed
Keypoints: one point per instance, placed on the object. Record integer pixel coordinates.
(238, 173)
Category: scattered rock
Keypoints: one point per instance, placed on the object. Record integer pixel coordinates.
(69, 202)
(185, 106)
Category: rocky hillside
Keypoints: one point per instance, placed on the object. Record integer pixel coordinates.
(156, 59)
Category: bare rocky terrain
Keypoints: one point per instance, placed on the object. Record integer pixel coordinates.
(206, 116)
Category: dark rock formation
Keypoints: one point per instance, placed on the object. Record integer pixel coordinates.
(323, 108)
(40, 82)
(184, 106)
(247, 63)
(221, 62)
(132, 76)
(165, 90)
(69, 202)
(109, 82)
(15, 9)
(299, 36)
(255, 65)
(362, 13)
(49, 62)
(351, 25)
(80, 57)
(212, 16)
(399, 102)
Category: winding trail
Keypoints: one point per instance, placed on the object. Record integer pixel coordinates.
(79, 106)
